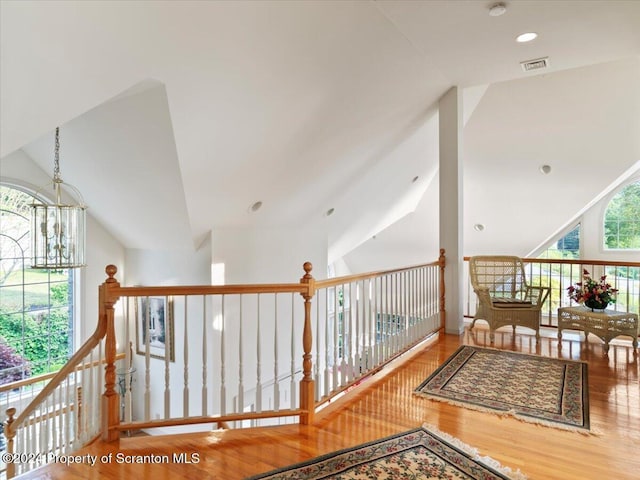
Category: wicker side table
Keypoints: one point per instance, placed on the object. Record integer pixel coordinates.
(605, 324)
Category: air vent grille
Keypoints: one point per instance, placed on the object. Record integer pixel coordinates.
(535, 64)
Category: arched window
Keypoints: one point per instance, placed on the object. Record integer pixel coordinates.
(622, 219)
(36, 306)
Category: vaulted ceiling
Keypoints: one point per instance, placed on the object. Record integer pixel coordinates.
(177, 116)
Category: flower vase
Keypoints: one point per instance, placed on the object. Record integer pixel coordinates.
(593, 304)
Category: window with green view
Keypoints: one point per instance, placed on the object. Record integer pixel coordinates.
(622, 219)
(566, 247)
(36, 306)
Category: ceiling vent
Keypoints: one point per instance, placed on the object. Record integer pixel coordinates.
(536, 64)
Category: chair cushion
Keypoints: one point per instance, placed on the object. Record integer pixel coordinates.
(508, 302)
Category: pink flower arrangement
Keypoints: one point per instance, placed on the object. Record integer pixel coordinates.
(590, 291)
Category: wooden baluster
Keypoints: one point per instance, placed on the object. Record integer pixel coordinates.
(65, 414)
(368, 324)
(128, 365)
(59, 401)
(240, 404)
(223, 387)
(276, 382)
(45, 426)
(391, 313)
(395, 282)
(258, 401)
(79, 411)
(400, 317)
(292, 364)
(128, 384)
(316, 366)
(307, 385)
(343, 352)
(357, 354)
(413, 317)
(168, 343)
(375, 322)
(336, 349)
(353, 304)
(42, 427)
(10, 435)
(386, 321)
(327, 351)
(147, 359)
(185, 347)
(205, 391)
(443, 313)
(86, 382)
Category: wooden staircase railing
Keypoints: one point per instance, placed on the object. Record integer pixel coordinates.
(362, 322)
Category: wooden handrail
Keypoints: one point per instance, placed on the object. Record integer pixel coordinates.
(577, 261)
(46, 376)
(13, 422)
(58, 377)
(176, 422)
(332, 282)
(208, 289)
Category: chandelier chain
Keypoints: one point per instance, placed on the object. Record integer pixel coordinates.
(56, 158)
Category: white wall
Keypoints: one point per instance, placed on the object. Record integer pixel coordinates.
(269, 255)
(412, 240)
(176, 267)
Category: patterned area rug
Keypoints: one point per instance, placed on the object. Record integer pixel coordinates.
(538, 389)
(419, 454)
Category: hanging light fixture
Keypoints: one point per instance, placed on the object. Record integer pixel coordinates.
(58, 230)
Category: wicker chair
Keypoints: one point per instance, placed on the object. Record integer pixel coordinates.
(504, 296)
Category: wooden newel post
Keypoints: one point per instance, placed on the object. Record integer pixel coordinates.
(10, 435)
(110, 398)
(443, 311)
(307, 386)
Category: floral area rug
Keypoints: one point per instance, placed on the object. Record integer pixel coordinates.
(543, 390)
(424, 453)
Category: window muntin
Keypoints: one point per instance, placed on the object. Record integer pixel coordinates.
(622, 219)
(566, 247)
(36, 314)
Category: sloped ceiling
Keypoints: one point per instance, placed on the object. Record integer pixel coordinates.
(180, 115)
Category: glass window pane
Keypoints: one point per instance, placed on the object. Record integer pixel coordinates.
(35, 317)
(621, 219)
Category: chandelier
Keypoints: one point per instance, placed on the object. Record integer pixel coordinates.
(58, 230)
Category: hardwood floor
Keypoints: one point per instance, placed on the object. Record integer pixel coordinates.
(386, 406)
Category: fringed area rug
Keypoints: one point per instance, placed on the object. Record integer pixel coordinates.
(419, 454)
(537, 389)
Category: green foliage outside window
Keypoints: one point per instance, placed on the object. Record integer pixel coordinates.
(622, 219)
(41, 338)
(36, 327)
(567, 247)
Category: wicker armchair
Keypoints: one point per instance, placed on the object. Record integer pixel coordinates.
(504, 296)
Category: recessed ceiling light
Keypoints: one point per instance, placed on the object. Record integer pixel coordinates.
(478, 227)
(526, 37)
(545, 169)
(255, 207)
(497, 9)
